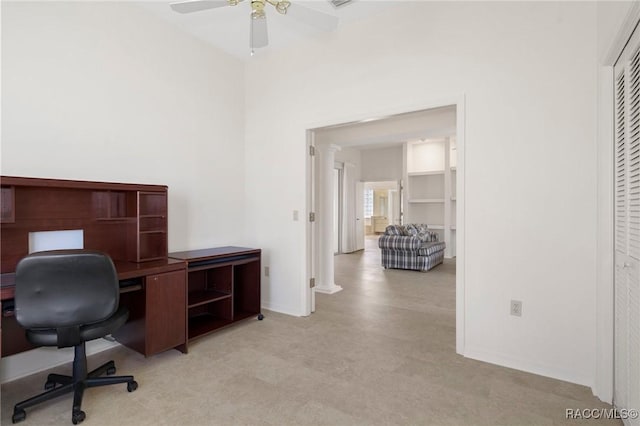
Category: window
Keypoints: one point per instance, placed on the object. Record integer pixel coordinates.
(368, 203)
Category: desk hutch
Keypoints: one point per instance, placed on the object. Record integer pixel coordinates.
(128, 222)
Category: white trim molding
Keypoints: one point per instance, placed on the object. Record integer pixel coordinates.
(459, 103)
(623, 35)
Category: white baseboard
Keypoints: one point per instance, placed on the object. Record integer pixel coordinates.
(527, 366)
(330, 289)
(26, 363)
(280, 309)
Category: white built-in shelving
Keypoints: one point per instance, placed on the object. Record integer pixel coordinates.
(426, 200)
(430, 180)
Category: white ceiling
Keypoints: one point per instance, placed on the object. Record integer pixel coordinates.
(228, 27)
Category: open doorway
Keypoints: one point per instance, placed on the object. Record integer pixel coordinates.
(382, 206)
(379, 147)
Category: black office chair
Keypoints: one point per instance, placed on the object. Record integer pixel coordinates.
(65, 298)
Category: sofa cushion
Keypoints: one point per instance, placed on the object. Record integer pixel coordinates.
(430, 248)
(422, 232)
(394, 230)
(429, 236)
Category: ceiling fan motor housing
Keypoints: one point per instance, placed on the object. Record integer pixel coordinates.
(257, 5)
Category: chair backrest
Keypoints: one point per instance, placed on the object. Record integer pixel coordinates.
(65, 288)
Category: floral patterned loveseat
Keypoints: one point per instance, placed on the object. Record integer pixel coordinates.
(410, 246)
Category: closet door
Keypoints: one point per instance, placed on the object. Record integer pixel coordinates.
(627, 229)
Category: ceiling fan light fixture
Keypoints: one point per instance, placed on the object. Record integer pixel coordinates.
(258, 20)
(282, 6)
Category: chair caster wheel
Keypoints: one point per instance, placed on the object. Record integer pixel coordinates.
(18, 416)
(49, 385)
(78, 417)
(131, 386)
(111, 371)
(260, 317)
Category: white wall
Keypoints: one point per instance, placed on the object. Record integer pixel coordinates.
(104, 91)
(527, 71)
(382, 164)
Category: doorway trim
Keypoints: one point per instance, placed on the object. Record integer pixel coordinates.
(312, 246)
(604, 318)
(397, 183)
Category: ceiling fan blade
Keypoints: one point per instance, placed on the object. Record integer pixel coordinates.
(259, 37)
(197, 5)
(312, 17)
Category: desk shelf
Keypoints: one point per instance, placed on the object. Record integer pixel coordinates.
(223, 287)
(124, 219)
(202, 297)
(202, 324)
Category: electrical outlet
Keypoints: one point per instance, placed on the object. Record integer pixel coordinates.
(266, 271)
(516, 308)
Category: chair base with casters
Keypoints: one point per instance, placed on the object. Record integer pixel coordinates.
(65, 298)
(58, 385)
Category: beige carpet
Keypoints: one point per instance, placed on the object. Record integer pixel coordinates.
(381, 352)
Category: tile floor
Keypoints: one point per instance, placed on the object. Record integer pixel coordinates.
(381, 352)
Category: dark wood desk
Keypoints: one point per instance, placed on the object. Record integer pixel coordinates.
(127, 221)
(154, 292)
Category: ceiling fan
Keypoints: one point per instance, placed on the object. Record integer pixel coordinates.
(258, 18)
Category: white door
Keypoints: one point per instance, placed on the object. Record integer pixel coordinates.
(359, 215)
(626, 393)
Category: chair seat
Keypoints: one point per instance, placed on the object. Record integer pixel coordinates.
(49, 337)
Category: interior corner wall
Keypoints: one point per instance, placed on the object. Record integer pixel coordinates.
(104, 91)
(527, 71)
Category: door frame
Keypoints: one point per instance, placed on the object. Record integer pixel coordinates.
(309, 295)
(360, 227)
(312, 237)
(398, 188)
(604, 342)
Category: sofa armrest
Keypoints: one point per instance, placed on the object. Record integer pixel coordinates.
(399, 242)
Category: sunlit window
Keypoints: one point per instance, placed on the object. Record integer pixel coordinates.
(368, 202)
